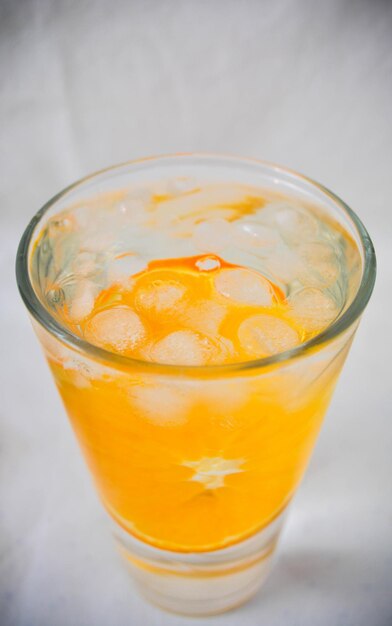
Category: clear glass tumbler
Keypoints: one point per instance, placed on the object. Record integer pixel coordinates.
(196, 466)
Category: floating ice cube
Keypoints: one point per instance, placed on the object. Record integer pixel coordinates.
(118, 329)
(253, 235)
(263, 335)
(213, 235)
(159, 296)
(321, 264)
(83, 300)
(85, 264)
(183, 347)
(205, 316)
(284, 264)
(313, 308)
(244, 286)
(122, 267)
(160, 403)
(134, 204)
(294, 224)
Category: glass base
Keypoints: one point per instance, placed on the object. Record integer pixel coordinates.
(198, 584)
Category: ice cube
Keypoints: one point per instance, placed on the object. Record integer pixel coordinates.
(119, 329)
(244, 287)
(205, 316)
(321, 264)
(82, 372)
(78, 372)
(134, 204)
(253, 235)
(123, 266)
(313, 308)
(159, 296)
(295, 224)
(85, 264)
(160, 403)
(213, 235)
(263, 335)
(284, 264)
(83, 301)
(183, 347)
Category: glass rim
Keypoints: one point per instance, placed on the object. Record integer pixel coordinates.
(54, 327)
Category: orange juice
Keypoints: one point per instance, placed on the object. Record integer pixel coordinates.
(192, 463)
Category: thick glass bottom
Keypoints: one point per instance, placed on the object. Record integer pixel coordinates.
(198, 584)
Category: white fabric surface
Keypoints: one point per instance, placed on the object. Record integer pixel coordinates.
(87, 84)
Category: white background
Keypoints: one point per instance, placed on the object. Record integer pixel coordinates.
(83, 85)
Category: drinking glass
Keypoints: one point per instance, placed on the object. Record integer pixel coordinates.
(196, 466)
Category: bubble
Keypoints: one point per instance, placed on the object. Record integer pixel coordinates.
(207, 264)
(244, 286)
(263, 335)
(118, 329)
(56, 297)
(58, 226)
(183, 347)
(213, 235)
(313, 308)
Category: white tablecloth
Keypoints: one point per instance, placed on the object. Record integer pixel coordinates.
(86, 84)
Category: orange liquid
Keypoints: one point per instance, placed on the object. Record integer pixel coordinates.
(193, 462)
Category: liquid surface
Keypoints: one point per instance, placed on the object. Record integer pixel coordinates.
(193, 274)
(252, 275)
(199, 311)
